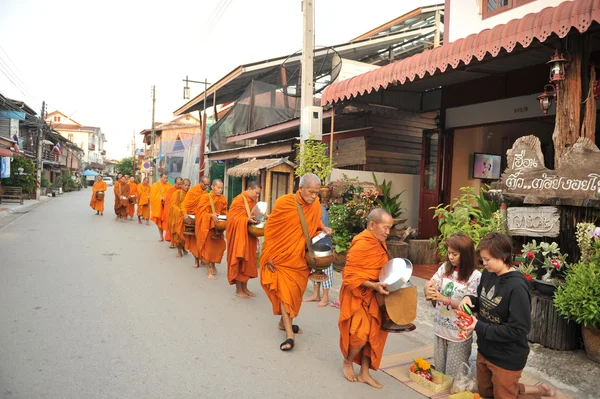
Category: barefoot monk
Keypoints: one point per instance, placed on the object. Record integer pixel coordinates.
(97, 201)
(157, 202)
(283, 269)
(165, 214)
(133, 195)
(241, 245)
(212, 243)
(143, 194)
(175, 218)
(191, 205)
(121, 191)
(361, 316)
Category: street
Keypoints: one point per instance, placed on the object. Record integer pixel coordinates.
(93, 308)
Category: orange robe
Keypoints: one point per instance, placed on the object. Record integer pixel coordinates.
(285, 247)
(121, 190)
(131, 206)
(190, 206)
(157, 193)
(211, 249)
(360, 315)
(143, 195)
(165, 214)
(241, 246)
(96, 204)
(175, 219)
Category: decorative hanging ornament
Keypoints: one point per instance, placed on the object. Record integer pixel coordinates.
(557, 67)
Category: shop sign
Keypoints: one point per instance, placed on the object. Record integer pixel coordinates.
(577, 178)
(542, 221)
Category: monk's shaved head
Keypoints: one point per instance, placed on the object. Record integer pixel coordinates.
(164, 174)
(254, 184)
(217, 181)
(310, 180)
(377, 215)
(178, 180)
(205, 180)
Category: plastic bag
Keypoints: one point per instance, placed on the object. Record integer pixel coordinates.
(464, 381)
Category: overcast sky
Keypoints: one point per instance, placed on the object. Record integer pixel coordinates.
(97, 61)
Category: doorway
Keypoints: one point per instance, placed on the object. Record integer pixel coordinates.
(279, 187)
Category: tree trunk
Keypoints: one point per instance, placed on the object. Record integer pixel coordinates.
(588, 129)
(568, 110)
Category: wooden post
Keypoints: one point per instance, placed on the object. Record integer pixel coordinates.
(331, 139)
(588, 128)
(225, 179)
(267, 190)
(291, 183)
(243, 183)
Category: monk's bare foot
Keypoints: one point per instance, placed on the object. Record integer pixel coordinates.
(282, 328)
(249, 293)
(161, 240)
(139, 221)
(348, 369)
(242, 295)
(184, 251)
(213, 269)
(147, 223)
(312, 298)
(122, 221)
(172, 247)
(324, 302)
(211, 276)
(367, 379)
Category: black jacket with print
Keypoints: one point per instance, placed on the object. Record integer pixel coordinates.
(504, 319)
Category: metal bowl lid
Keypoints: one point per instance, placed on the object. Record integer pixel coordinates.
(222, 217)
(260, 208)
(395, 270)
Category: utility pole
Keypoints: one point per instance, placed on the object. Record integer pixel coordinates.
(306, 88)
(40, 146)
(133, 153)
(186, 96)
(153, 163)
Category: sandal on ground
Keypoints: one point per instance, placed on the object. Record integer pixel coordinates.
(335, 304)
(289, 342)
(295, 328)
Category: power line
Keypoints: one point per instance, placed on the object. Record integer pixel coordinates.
(218, 17)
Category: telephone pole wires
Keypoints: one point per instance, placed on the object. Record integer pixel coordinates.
(40, 147)
(153, 160)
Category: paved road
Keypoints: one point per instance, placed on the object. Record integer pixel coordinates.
(92, 308)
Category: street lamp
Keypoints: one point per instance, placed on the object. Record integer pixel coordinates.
(546, 98)
(557, 67)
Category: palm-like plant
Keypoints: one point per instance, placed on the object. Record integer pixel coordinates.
(393, 205)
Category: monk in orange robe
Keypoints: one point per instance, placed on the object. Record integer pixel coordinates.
(241, 246)
(121, 199)
(175, 219)
(157, 202)
(190, 205)
(133, 197)
(361, 314)
(165, 214)
(212, 243)
(95, 203)
(143, 195)
(283, 269)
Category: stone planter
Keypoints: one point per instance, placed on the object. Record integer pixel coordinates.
(43, 191)
(591, 341)
(397, 249)
(422, 252)
(550, 329)
(543, 288)
(325, 192)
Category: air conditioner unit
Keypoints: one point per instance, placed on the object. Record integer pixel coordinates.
(311, 123)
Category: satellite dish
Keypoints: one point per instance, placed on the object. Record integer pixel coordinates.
(327, 65)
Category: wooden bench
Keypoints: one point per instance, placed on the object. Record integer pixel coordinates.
(14, 194)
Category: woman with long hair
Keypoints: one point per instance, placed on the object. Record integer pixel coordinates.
(455, 278)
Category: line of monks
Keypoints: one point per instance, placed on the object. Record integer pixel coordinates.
(283, 269)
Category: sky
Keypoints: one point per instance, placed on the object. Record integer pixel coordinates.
(96, 62)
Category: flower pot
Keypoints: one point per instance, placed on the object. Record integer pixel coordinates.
(591, 341)
(543, 288)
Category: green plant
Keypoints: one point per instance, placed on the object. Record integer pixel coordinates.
(487, 207)
(342, 236)
(25, 179)
(312, 157)
(45, 182)
(391, 204)
(545, 256)
(579, 297)
(584, 234)
(461, 216)
(125, 166)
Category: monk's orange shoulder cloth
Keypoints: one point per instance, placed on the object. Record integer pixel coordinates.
(157, 192)
(203, 212)
(285, 246)
(176, 218)
(165, 213)
(240, 244)
(143, 191)
(192, 199)
(365, 259)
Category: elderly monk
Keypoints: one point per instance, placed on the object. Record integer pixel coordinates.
(361, 314)
(169, 194)
(132, 193)
(211, 243)
(241, 246)
(157, 202)
(175, 219)
(190, 205)
(95, 203)
(121, 199)
(283, 269)
(143, 195)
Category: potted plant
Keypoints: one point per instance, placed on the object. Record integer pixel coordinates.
(44, 186)
(342, 236)
(312, 157)
(546, 262)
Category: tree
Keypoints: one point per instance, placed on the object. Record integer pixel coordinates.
(125, 166)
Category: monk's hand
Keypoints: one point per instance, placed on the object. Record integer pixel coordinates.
(327, 230)
(381, 288)
(214, 217)
(253, 220)
(271, 267)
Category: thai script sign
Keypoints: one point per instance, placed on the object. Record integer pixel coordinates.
(543, 221)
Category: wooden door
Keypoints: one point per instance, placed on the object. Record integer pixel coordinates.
(429, 195)
(279, 187)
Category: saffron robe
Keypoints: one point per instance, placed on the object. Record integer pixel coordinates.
(241, 246)
(190, 206)
(361, 316)
(175, 219)
(96, 204)
(211, 249)
(121, 190)
(157, 196)
(285, 248)
(131, 206)
(165, 214)
(143, 195)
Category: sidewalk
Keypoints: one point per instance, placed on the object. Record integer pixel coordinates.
(569, 371)
(11, 211)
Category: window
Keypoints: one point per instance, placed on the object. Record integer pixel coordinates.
(492, 7)
(70, 137)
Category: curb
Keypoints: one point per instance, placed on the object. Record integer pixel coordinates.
(9, 216)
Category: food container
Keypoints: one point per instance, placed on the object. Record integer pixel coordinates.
(221, 223)
(259, 211)
(430, 385)
(257, 230)
(395, 273)
(323, 256)
(189, 225)
(100, 195)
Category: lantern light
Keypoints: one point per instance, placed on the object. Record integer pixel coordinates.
(557, 67)
(546, 98)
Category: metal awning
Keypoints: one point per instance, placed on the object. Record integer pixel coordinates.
(489, 43)
(270, 149)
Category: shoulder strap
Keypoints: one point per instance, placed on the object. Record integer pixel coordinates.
(304, 228)
(246, 204)
(212, 203)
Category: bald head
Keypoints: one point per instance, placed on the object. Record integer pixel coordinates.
(380, 222)
(178, 182)
(377, 215)
(205, 180)
(310, 180)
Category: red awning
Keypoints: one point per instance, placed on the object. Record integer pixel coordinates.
(5, 152)
(578, 14)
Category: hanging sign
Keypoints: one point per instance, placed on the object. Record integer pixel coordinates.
(535, 221)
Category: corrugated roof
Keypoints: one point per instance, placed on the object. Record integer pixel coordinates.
(578, 14)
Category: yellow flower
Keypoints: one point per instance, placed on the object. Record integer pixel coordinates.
(423, 364)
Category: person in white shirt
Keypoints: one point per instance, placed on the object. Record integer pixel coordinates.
(455, 278)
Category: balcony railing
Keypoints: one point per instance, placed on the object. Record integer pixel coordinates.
(49, 155)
